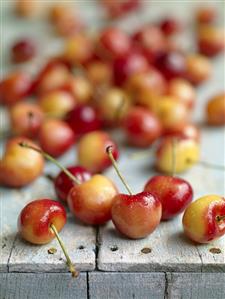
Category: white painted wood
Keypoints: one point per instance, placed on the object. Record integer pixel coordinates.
(42, 286)
(126, 285)
(196, 286)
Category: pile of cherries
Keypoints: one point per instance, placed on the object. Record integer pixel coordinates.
(142, 83)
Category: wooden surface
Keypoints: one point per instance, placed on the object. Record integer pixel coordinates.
(173, 268)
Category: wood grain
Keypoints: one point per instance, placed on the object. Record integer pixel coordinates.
(42, 286)
(126, 285)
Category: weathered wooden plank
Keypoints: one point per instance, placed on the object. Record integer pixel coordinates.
(44, 286)
(126, 285)
(195, 286)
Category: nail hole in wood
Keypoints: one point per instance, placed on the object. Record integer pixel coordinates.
(146, 250)
(81, 247)
(114, 248)
(215, 250)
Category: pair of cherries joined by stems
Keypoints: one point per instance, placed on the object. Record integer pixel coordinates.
(95, 200)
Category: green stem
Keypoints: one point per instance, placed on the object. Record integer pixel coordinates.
(210, 165)
(109, 152)
(174, 142)
(68, 260)
(50, 158)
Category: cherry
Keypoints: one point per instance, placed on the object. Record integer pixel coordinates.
(56, 137)
(124, 67)
(135, 216)
(170, 26)
(172, 64)
(141, 127)
(23, 50)
(117, 9)
(113, 43)
(40, 221)
(63, 184)
(91, 201)
(15, 87)
(83, 119)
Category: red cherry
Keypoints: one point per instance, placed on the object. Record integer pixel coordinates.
(170, 26)
(113, 43)
(63, 183)
(23, 50)
(83, 119)
(124, 67)
(172, 64)
(141, 127)
(173, 192)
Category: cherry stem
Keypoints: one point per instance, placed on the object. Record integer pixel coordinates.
(174, 142)
(119, 109)
(50, 158)
(109, 153)
(30, 118)
(209, 165)
(220, 218)
(72, 269)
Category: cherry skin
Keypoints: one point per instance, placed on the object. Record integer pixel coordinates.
(20, 166)
(113, 43)
(170, 26)
(173, 192)
(91, 202)
(215, 110)
(23, 50)
(136, 216)
(35, 219)
(124, 67)
(15, 87)
(141, 127)
(56, 137)
(83, 119)
(63, 184)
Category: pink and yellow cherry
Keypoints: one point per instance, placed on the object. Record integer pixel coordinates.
(91, 151)
(173, 192)
(113, 43)
(183, 90)
(116, 9)
(99, 73)
(80, 88)
(79, 49)
(55, 137)
(90, 201)
(39, 223)
(27, 9)
(141, 127)
(186, 153)
(83, 119)
(113, 106)
(199, 68)
(206, 15)
(124, 67)
(204, 219)
(20, 166)
(63, 184)
(215, 110)
(15, 87)
(57, 103)
(211, 40)
(54, 75)
(143, 86)
(171, 112)
(26, 119)
(134, 215)
(23, 50)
